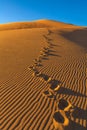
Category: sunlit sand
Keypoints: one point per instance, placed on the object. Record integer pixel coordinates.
(43, 76)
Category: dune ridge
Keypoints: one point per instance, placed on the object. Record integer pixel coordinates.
(43, 75)
(36, 24)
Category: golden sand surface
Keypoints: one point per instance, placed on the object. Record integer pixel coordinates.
(43, 76)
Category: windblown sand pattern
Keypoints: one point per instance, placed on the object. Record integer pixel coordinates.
(43, 76)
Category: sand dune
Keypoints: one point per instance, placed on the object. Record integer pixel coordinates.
(43, 76)
(36, 24)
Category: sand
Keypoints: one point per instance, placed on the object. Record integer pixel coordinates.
(43, 76)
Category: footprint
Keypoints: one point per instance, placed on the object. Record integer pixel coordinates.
(49, 39)
(43, 54)
(50, 46)
(60, 120)
(32, 68)
(45, 78)
(64, 105)
(37, 60)
(58, 117)
(45, 48)
(49, 80)
(40, 56)
(45, 51)
(48, 94)
(48, 42)
(37, 64)
(36, 73)
(55, 85)
(45, 36)
(49, 32)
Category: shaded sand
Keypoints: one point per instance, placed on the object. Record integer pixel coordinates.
(41, 63)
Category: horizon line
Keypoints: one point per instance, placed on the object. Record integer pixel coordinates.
(41, 19)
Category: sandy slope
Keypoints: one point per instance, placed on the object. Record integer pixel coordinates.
(24, 103)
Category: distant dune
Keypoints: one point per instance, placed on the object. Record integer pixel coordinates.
(43, 76)
(36, 24)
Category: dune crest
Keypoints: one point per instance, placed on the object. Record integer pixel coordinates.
(36, 24)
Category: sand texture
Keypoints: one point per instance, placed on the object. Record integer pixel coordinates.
(43, 76)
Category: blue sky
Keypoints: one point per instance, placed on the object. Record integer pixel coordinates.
(69, 11)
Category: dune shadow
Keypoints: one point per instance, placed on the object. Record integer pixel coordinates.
(59, 119)
(79, 113)
(52, 54)
(54, 45)
(76, 126)
(45, 58)
(52, 50)
(78, 36)
(49, 39)
(68, 91)
(57, 45)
